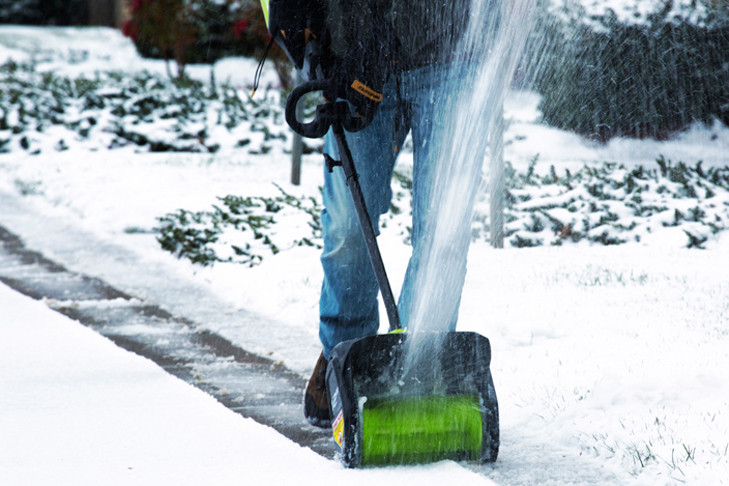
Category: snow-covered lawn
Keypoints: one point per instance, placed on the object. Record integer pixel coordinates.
(611, 363)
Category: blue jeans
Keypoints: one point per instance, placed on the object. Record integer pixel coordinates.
(348, 304)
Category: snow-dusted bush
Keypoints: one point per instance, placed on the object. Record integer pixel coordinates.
(647, 70)
(43, 12)
(242, 229)
(612, 205)
(42, 111)
(603, 205)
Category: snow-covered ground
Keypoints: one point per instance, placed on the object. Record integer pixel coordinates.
(611, 363)
(77, 410)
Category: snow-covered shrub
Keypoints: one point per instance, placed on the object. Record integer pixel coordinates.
(42, 111)
(648, 71)
(604, 205)
(242, 229)
(612, 205)
(43, 12)
(19, 11)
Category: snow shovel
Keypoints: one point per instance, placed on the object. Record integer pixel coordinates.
(388, 405)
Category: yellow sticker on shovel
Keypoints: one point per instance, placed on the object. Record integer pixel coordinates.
(338, 429)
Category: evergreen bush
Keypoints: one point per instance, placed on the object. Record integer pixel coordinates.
(242, 229)
(201, 31)
(606, 77)
(610, 204)
(113, 110)
(43, 12)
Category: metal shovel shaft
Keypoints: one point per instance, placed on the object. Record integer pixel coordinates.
(365, 223)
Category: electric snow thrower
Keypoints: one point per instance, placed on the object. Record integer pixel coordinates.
(388, 405)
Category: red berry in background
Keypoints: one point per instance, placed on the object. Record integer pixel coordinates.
(239, 27)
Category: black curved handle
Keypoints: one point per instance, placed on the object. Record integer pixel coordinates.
(316, 128)
(326, 113)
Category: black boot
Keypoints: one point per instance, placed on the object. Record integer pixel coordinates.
(316, 401)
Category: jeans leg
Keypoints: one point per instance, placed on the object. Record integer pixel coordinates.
(441, 233)
(348, 304)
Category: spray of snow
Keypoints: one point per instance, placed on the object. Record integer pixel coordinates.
(461, 142)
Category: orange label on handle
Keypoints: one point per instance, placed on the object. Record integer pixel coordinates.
(366, 91)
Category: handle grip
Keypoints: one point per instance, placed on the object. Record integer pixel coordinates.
(316, 128)
(326, 113)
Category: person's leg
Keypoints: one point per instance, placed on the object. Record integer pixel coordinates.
(441, 233)
(348, 303)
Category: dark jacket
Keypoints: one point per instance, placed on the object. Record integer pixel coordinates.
(428, 31)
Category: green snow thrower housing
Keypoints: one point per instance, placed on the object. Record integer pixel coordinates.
(388, 410)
